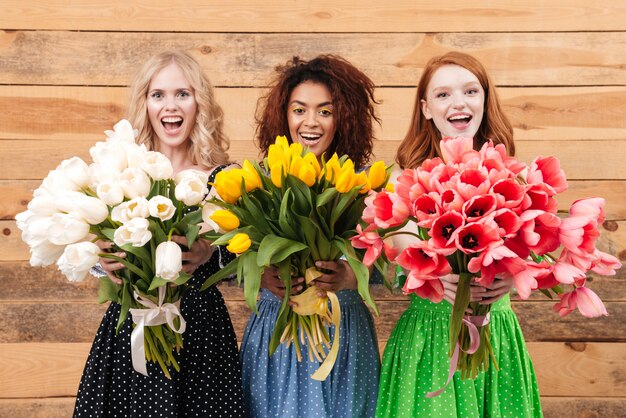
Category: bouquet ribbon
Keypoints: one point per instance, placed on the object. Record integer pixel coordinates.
(152, 316)
(472, 323)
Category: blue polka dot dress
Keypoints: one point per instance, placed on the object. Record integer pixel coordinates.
(280, 386)
(209, 381)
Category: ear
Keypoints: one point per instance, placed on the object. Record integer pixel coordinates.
(425, 109)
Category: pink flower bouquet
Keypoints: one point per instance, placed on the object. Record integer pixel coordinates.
(482, 215)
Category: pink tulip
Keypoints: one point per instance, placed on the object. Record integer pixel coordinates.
(543, 274)
(510, 194)
(583, 298)
(578, 234)
(547, 170)
(478, 207)
(426, 209)
(605, 264)
(508, 222)
(369, 240)
(408, 185)
(426, 266)
(442, 232)
(385, 209)
(452, 149)
(472, 182)
(540, 197)
(540, 231)
(428, 288)
(451, 200)
(476, 237)
(590, 208)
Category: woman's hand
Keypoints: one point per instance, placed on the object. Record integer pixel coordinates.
(270, 280)
(451, 283)
(108, 265)
(496, 290)
(340, 276)
(200, 253)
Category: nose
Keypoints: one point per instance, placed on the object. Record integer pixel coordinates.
(170, 103)
(458, 101)
(311, 119)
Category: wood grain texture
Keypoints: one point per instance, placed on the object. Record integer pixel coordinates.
(17, 193)
(541, 113)
(581, 160)
(74, 322)
(248, 59)
(321, 16)
(553, 407)
(43, 370)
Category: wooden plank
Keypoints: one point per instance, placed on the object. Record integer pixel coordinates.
(41, 370)
(31, 160)
(553, 407)
(84, 113)
(574, 407)
(17, 193)
(248, 59)
(57, 322)
(37, 408)
(321, 16)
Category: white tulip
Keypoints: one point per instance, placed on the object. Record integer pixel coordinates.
(161, 207)
(55, 183)
(207, 211)
(110, 192)
(99, 173)
(134, 208)
(168, 260)
(76, 170)
(90, 209)
(191, 191)
(66, 228)
(122, 131)
(192, 173)
(135, 154)
(134, 232)
(110, 154)
(135, 182)
(77, 259)
(157, 165)
(43, 205)
(45, 253)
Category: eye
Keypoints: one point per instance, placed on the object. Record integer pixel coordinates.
(442, 95)
(184, 93)
(156, 95)
(325, 112)
(473, 91)
(298, 110)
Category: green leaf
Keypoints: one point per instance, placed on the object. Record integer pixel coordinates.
(461, 302)
(303, 203)
(256, 213)
(274, 249)
(360, 270)
(326, 196)
(228, 270)
(157, 232)
(192, 234)
(127, 298)
(284, 217)
(251, 279)
(285, 309)
(129, 265)
(108, 291)
(344, 202)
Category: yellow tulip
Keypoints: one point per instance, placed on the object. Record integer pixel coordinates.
(362, 180)
(228, 185)
(239, 243)
(346, 181)
(377, 174)
(294, 167)
(295, 150)
(307, 174)
(332, 168)
(276, 173)
(251, 176)
(282, 142)
(390, 187)
(276, 154)
(225, 219)
(311, 158)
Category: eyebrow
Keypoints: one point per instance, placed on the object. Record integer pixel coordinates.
(304, 104)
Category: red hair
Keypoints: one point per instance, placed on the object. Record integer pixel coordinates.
(422, 140)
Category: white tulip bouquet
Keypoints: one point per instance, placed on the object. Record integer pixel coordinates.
(126, 195)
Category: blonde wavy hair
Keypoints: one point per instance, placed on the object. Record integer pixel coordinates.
(209, 144)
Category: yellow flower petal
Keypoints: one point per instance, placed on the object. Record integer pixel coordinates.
(239, 243)
(225, 219)
(377, 174)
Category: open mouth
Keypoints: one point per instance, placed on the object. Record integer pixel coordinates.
(460, 121)
(172, 123)
(309, 139)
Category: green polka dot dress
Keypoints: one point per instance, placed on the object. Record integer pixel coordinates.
(416, 362)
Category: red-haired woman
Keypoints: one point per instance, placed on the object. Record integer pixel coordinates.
(455, 97)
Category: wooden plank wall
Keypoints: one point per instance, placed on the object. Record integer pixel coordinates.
(65, 66)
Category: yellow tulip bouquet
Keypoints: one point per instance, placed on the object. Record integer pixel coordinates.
(290, 216)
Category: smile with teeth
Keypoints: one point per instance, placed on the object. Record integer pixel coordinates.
(172, 122)
(310, 137)
(460, 119)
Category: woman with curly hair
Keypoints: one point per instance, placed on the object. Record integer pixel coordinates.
(327, 105)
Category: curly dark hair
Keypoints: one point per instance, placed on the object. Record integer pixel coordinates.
(352, 93)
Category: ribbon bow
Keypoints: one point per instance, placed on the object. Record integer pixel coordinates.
(152, 316)
(472, 323)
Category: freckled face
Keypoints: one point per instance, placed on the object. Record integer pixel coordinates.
(455, 101)
(171, 107)
(310, 115)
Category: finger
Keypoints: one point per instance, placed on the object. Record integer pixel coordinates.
(325, 278)
(295, 290)
(328, 265)
(178, 239)
(490, 301)
(324, 286)
(115, 279)
(451, 278)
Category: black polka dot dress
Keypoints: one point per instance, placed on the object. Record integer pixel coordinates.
(209, 381)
